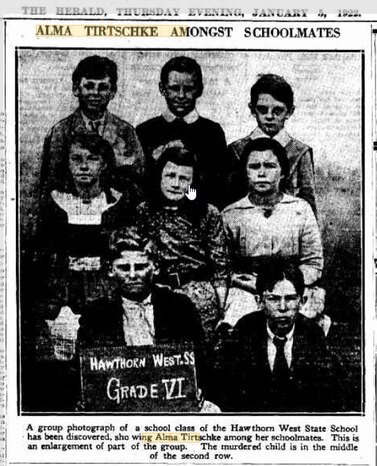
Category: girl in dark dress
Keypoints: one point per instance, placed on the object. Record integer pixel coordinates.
(76, 221)
(188, 236)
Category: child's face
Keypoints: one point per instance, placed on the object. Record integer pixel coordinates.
(180, 92)
(175, 181)
(281, 307)
(263, 173)
(94, 95)
(134, 273)
(85, 167)
(271, 114)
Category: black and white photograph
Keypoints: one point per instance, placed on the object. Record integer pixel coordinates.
(190, 236)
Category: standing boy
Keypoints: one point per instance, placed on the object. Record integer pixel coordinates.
(271, 103)
(94, 83)
(180, 124)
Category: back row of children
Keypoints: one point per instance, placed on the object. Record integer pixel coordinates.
(97, 169)
(94, 83)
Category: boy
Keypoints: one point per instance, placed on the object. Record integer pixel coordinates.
(180, 125)
(139, 312)
(271, 103)
(94, 83)
(277, 360)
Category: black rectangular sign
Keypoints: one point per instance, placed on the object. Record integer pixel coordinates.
(159, 378)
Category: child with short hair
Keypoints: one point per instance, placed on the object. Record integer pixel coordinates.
(272, 104)
(180, 125)
(94, 84)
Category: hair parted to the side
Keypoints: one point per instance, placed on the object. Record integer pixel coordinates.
(128, 239)
(183, 64)
(274, 85)
(96, 67)
(277, 270)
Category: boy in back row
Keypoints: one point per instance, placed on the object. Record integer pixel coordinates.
(271, 103)
(94, 83)
(181, 84)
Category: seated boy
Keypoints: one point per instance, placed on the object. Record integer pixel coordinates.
(271, 103)
(139, 312)
(277, 360)
(136, 313)
(180, 124)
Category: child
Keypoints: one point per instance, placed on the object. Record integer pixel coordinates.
(271, 103)
(94, 84)
(180, 125)
(76, 223)
(188, 236)
(72, 239)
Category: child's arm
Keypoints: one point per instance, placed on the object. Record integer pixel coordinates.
(305, 179)
(301, 171)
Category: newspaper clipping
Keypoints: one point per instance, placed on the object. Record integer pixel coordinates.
(188, 207)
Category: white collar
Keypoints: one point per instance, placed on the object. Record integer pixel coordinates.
(288, 336)
(282, 137)
(146, 302)
(64, 200)
(190, 118)
(245, 202)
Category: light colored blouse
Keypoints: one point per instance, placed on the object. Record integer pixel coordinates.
(289, 230)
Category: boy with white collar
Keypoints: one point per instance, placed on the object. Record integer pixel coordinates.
(272, 104)
(181, 84)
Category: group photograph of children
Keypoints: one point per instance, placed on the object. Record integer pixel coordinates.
(202, 197)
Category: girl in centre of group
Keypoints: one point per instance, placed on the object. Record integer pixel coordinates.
(188, 236)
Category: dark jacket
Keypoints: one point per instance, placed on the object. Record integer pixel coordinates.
(175, 319)
(204, 137)
(246, 381)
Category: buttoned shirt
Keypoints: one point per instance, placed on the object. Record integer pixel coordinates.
(99, 124)
(271, 347)
(189, 118)
(138, 322)
(290, 230)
